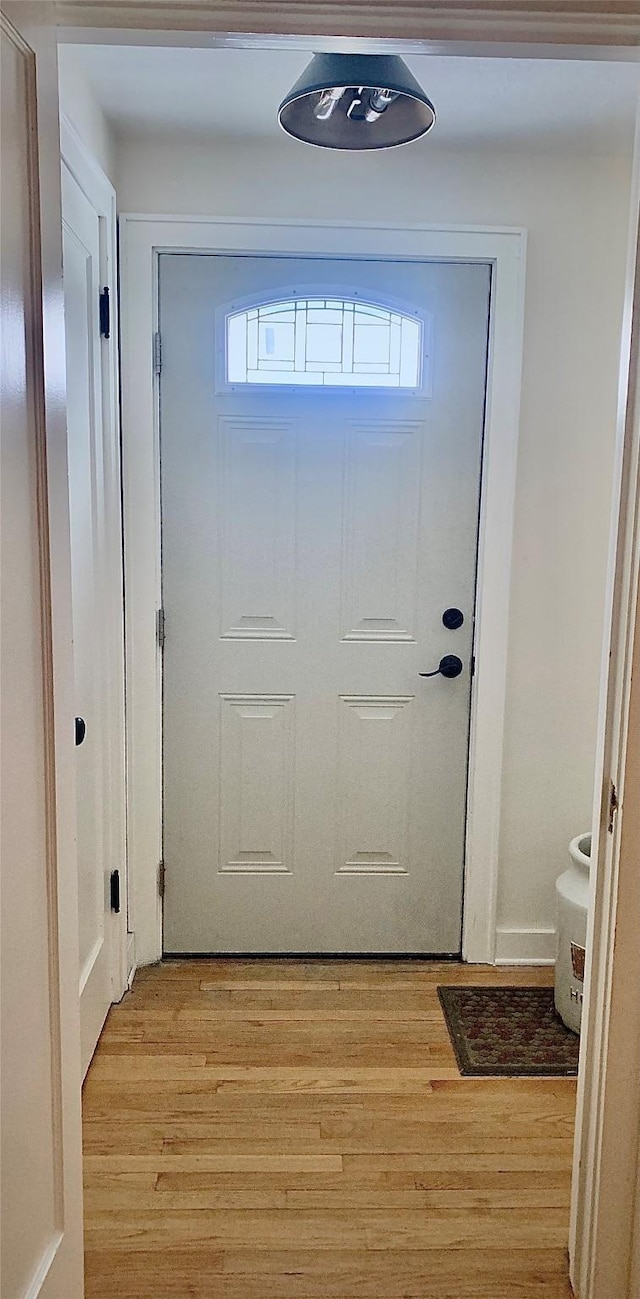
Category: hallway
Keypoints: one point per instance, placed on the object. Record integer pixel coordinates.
(299, 1130)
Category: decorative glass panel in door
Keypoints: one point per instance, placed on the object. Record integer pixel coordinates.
(324, 342)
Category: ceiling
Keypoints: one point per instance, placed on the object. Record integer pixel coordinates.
(236, 92)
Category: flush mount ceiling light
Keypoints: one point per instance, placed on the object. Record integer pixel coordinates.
(356, 101)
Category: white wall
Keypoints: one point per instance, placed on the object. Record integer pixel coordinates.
(80, 106)
(575, 207)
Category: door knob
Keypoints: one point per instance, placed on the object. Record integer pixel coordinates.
(81, 729)
(449, 666)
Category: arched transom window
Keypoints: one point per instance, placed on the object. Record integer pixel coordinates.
(324, 342)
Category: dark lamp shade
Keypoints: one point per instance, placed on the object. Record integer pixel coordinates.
(402, 114)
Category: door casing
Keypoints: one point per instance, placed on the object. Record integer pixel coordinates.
(143, 238)
(516, 28)
(41, 1109)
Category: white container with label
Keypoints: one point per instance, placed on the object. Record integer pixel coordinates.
(572, 889)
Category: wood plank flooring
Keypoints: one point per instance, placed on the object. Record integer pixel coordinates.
(299, 1130)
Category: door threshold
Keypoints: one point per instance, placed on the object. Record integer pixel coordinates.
(312, 956)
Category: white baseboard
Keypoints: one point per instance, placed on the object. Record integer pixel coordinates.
(525, 947)
(131, 957)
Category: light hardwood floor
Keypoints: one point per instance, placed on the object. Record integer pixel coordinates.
(299, 1130)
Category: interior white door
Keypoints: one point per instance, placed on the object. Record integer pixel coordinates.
(41, 1247)
(81, 261)
(312, 539)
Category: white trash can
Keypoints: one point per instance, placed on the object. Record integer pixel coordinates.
(572, 891)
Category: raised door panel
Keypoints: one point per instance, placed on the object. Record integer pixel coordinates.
(256, 783)
(257, 475)
(374, 755)
(78, 277)
(78, 284)
(380, 530)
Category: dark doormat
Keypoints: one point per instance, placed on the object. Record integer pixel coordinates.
(508, 1031)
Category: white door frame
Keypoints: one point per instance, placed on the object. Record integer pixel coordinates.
(142, 238)
(44, 1257)
(513, 29)
(102, 197)
(605, 1243)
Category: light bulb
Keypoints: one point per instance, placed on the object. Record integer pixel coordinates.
(379, 100)
(327, 102)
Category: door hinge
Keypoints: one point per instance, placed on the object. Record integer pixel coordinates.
(161, 879)
(157, 353)
(160, 633)
(105, 313)
(614, 804)
(114, 891)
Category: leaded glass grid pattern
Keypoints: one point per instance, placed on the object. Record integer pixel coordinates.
(324, 342)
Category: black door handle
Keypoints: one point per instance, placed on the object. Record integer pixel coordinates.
(81, 729)
(449, 666)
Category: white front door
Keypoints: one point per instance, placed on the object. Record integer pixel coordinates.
(81, 256)
(321, 430)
